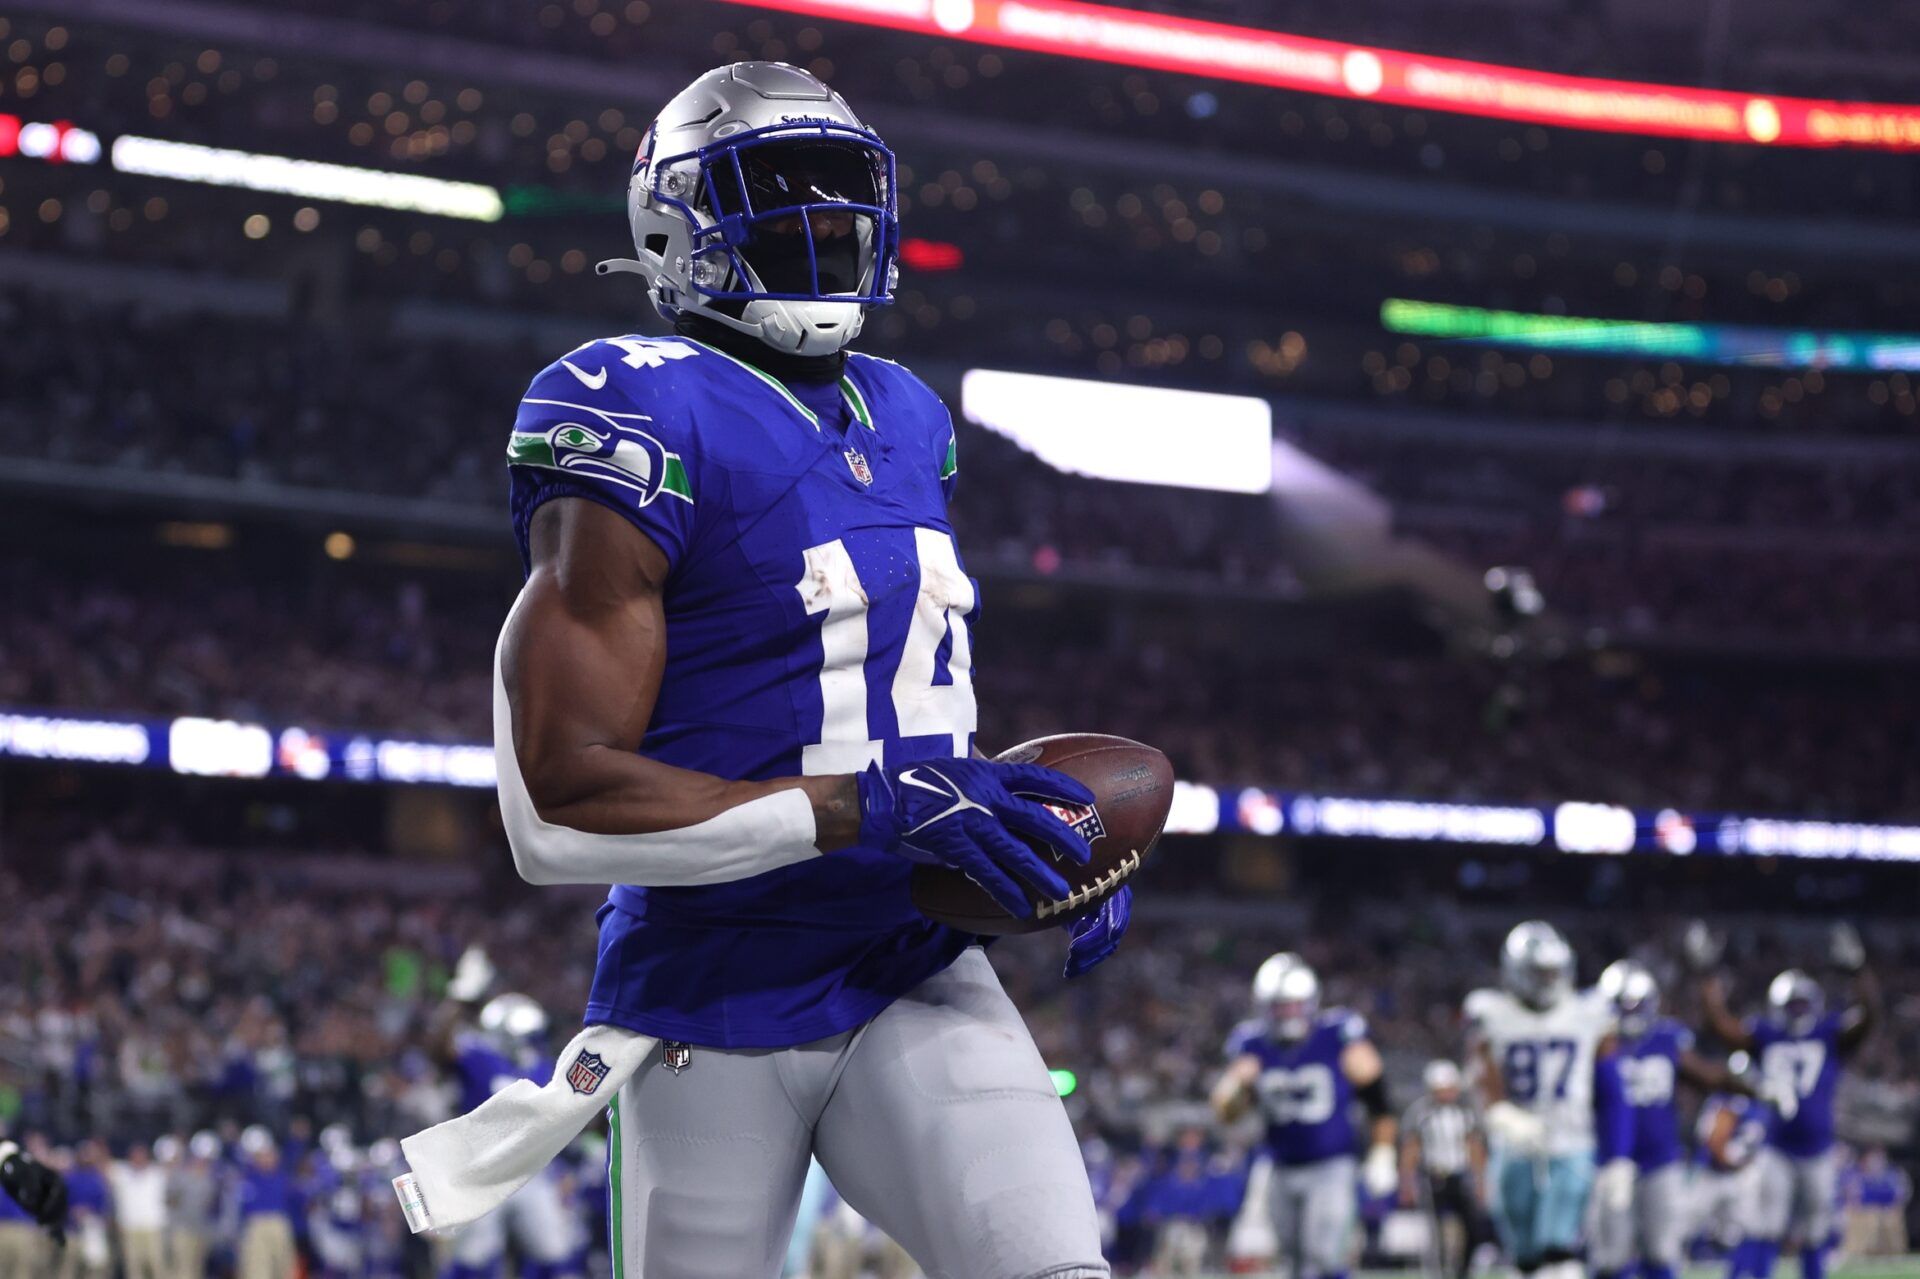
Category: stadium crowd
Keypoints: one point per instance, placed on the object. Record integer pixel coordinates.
(154, 990)
(1014, 89)
(411, 654)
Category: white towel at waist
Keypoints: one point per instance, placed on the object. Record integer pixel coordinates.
(468, 1166)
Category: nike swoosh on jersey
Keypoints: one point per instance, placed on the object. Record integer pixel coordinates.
(592, 381)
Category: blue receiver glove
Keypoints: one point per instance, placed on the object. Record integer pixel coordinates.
(970, 814)
(1096, 934)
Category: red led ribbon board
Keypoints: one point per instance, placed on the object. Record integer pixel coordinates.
(1105, 34)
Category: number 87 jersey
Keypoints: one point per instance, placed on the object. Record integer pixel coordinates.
(817, 619)
(1546, 1058)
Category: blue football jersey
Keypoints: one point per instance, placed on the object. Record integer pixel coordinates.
(1649, 1070)
(818, 619)
(1752, 1123)
(1810, 1063)
(1303, 1093)
(484, 1070)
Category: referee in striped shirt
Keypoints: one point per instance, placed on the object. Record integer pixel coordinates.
(1443, 1165)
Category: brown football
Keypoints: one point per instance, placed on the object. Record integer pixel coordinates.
(1132, 789)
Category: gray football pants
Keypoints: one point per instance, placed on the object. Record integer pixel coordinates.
(1314, 1206)
(1653, 1228)
(936, 1120)
(1793, 1197)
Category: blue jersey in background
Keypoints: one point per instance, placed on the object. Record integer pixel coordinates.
(484, 1070)
(817, 618)
(1810, 1063)
(1303, 1092)
(1753, 1122)
(1649, 1069)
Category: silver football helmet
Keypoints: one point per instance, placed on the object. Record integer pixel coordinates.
(1796, 1001)
(1288, 993)
(1536, 964)
(512, 1021)
(760, 201)
(1634, 993)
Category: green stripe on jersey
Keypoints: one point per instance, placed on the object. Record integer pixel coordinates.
(529, 448)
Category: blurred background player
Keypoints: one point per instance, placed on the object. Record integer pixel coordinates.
(1730, 1130)
(1443, 1168)
(1535, 1043)
(1304, 1067)
(506, 1041)
(1800, 1047)
(1653, 1055)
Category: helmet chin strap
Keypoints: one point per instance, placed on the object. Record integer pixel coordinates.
(618, 266)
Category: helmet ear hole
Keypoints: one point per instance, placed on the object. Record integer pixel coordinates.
(656, 244)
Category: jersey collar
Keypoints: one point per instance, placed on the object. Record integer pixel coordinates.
(851, 393)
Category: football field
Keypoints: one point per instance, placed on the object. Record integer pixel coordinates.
(1907, 1267)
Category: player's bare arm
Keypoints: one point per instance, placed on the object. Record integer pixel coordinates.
(1409, 1170)
(595, 593)
(1486, 1072)
(1708, 1075)
(1867, 1010)
(1728, 1028)
(1368, 1074)
(1232, 1094)
(1718, 1138)
(1864, 1015)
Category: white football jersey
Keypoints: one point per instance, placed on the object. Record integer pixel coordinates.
(1545, 1057)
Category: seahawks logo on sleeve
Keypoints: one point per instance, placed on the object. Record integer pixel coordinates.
(612, 450)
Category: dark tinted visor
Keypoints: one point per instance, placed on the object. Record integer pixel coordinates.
(781, 174)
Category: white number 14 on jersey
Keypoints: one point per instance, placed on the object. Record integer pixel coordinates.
(832, 586)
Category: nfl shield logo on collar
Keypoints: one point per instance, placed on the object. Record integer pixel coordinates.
(586, 1072)
(857, 463)
(675, 1055)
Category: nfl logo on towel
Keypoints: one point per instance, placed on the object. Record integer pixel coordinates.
(857, 463)
(587, 1071)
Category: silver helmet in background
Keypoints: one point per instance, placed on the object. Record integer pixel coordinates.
(1536, 964)
(1287, 992)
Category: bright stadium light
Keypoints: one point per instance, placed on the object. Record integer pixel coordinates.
(311, 179)
(1139, 434)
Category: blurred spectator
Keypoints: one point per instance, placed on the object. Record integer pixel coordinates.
(1874, 1196)
(193, 1199)
(264, 1203)
(139, 1187)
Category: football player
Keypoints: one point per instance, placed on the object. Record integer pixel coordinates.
(1653, 1054)
(1730, 1131)
(738, 687)
(1304, 1066)
(1800, 1047)
(505, 1043)
(1535, 1044)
